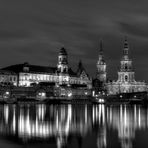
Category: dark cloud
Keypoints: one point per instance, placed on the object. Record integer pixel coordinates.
(12, 34)
(135, 29)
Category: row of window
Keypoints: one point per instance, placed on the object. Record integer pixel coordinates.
(126, 78)
(38, 77)
(41, 77)
(8, 78)
(124, 89)
(28, 76)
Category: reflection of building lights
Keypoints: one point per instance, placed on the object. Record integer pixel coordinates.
(101, 139)
(101, 115)
(63, 120)
(14, 121)
(135, 113)
(139, 117)
(93, 93)
(93, 114)
(6, 113)
(125, 117)
(86, 114)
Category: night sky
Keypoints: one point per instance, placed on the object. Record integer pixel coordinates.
(35, 30)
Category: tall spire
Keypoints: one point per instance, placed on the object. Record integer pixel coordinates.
(126, 42)
(62, 61)
(101, 56)
(80, 65)
(80, 68)
(101, 65)
(101, 47)
(125, 48)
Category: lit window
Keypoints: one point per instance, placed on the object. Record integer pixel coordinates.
(7, 92)
(43, 94)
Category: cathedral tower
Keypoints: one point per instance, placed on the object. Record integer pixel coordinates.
(126, 73)
(62, 61)
(126, 76)
(101, 66)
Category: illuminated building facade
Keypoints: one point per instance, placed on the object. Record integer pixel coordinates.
(126, 77)
(62, 65)
(101, 66)
(8, 78)
(61, 75)
(100, 81)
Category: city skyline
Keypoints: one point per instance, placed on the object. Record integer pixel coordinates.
(93, 75)
(73, 73)
(35, 32)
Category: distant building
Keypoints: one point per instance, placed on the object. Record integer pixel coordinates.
(28, 75)
(100, 80)
(8, 78)
(101, 66)
(126, 76)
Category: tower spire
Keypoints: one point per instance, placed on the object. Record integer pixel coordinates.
(62, 61)
(126, 42)
(125, 48)
(101, 65)
(101, 47)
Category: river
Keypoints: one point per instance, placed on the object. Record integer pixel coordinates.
(73, 126)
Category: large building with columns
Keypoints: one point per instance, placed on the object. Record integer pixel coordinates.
(126, 82)
(62, 74)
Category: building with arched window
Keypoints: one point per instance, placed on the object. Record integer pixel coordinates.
(126, 82)
(28, 74)
(101, 74)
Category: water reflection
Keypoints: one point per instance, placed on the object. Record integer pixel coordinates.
(63, 123)
(126, 120)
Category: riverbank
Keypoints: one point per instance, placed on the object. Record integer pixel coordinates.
(70, 96)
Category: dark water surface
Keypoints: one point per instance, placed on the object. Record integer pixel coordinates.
(74, 126)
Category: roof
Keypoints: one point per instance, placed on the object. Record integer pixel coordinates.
(71, 72)
(32, 68)
(63, 51)
(81, 69)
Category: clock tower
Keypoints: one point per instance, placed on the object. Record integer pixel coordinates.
(101, 66)
(63, 61)
(126, 73)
